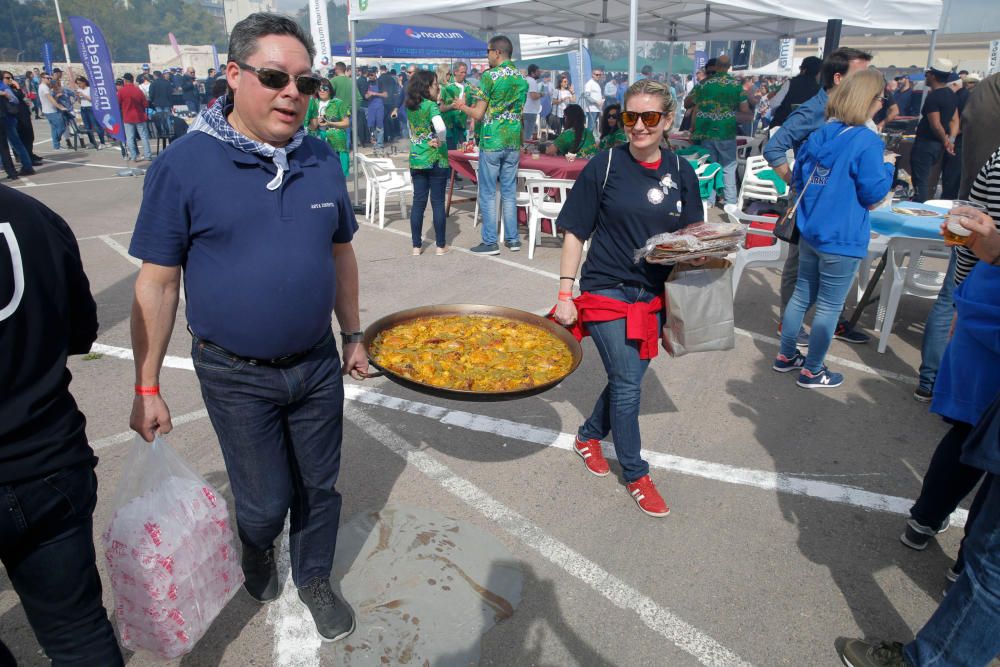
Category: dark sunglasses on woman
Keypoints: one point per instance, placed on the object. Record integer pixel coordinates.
(307, 84)
(649, 118)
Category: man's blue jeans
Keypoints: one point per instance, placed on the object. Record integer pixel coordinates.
(617, 408)
(58, 125)
(937, 327)
(47, 546)
(130, 141)
(280, 430)
(824, 279)
(593, 120)
(923, 157)
(502, 165)
(963, 630)
(723, 151)
(14, 139)
(433, 181)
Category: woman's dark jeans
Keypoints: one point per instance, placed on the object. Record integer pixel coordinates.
(617, 408)
(90, 125)
(432, 181)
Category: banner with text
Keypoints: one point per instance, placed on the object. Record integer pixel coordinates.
(741, 54)
(47, 57)
(700, 56)
(786, 55)
(96, 59)
(319, 27)
(993, 64)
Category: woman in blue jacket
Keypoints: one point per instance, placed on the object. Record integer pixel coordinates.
(841, 173)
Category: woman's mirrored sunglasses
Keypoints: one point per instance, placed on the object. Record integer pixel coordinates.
(307, 84)
(649, 118)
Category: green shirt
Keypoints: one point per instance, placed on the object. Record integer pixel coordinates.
(451, 92)
(505, 91)
(717, 100)
(616, 138)
(474, 95)
(335, 110)
(342, 89)
(422, 154)
(564, 143)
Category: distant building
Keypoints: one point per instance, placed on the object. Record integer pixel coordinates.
(237, 10)
(216, 9)
(902, 52)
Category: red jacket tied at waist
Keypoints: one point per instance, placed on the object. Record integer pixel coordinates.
(641, 323)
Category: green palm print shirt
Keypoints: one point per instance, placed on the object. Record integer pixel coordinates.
(422, 154)
(564, 143)
(505, 91)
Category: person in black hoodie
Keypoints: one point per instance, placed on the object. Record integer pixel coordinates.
(47, 479)
(800, 89)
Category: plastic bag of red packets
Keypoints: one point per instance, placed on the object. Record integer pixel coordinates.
(169, 551)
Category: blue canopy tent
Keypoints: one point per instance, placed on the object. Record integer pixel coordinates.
(407, 41)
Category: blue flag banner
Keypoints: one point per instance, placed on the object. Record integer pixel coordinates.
(47, 57)
(579, 72)
(215, 59)
(96, 59)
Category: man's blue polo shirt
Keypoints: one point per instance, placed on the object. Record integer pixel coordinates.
(258, 264)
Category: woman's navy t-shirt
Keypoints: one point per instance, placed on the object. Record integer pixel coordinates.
(629, 212)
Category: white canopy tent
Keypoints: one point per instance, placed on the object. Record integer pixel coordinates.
(658, 20)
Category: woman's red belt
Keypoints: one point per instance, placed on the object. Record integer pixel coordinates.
(641, 323)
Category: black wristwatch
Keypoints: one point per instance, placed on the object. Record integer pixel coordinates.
(352, 336)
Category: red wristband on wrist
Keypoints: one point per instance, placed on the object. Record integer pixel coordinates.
(565, 296)
(147, 391)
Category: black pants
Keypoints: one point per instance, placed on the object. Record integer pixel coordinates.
(5, 157)
(925, 153)
(951, 171)
(47, 546)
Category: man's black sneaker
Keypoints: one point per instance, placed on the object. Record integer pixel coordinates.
(261, 573)
(513, 246)
(486, 249)
(864, 653)
(916, 536)
(27, 171)
(334, 618)
(849, 335)
(923, 394)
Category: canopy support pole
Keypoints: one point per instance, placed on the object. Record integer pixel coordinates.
(931, 52)
(352, 26)
(633, 38)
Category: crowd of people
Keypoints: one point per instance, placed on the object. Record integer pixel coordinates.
(259, 302)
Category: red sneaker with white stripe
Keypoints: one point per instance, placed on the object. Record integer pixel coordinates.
(593, 457)
(649, 500)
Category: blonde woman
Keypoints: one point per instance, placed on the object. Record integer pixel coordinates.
(841, 172)
(443, 78)
(624, 196)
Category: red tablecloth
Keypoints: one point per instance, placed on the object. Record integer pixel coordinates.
(553, 166)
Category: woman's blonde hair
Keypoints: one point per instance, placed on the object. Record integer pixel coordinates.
(655, 88)
(444, 73)
(851, 101)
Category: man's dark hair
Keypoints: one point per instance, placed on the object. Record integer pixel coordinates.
(532, 70)
(839, 62)
(811, 66)
(502, 44)
(219, 88)
(157, 73)
(647, 70)
(243, 40)
(963, 72)
(127, 76)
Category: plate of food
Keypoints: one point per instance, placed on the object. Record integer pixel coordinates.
(917, 212)
(471, 351)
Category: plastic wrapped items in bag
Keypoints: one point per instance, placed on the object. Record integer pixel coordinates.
(704, 239)
(169, 551)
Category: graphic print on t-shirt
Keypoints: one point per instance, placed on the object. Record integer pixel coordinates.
(17, 268)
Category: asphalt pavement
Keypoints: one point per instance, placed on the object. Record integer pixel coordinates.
(786, 504)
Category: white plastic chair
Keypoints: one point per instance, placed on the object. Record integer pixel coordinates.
(371, 182)
(390, 181)
(757, 188)
(544, 206)
(906, 273)
(771, 256)
(752, 147)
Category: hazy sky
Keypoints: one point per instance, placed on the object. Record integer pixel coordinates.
(962, 15)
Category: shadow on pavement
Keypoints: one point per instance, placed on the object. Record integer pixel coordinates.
(810, 429)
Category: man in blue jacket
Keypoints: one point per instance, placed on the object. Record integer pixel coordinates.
(802, 122)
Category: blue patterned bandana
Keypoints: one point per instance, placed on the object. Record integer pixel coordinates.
(212, 121)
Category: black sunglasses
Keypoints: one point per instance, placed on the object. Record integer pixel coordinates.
(307, 84)
(649, 118)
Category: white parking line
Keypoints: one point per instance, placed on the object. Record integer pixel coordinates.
(123, 251)
(128, 436)
(87, 164)
(101, 236)
(658, 618)
(762, 479)
(84, 180)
